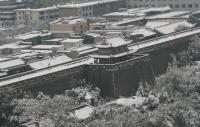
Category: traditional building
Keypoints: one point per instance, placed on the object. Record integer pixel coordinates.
(112, 50)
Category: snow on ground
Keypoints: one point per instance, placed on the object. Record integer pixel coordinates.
(135, 101)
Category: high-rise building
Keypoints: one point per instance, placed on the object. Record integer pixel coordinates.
(7, 9)
(174, 4)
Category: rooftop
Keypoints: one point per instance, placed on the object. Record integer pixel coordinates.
(28, 35)
(46, 46)
(113, 42)
(170, 28)
(69, 20)
(128, 20)
(138, 11)
(154, 24)
(70, 40)
(169, 15)
(55, 39)
(10, 63)
(51, 61)
(85, 4)
(39, 9)
(144, 31)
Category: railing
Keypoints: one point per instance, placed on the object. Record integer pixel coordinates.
(119, 64)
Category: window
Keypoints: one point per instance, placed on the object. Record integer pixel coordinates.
(189, 5)
(183, 5)
(74, 28)
(171, 6)
(176, 6)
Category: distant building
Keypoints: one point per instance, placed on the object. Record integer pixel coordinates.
(12, 66)
(173, 14)
(112, 50)
(12, 48)
(90, 9)
(55, 41)
(69, 43)
(81, 51)
(7, 9)
(141, 34)
(174, 4)
(136, 12)
(35, 37)
(54, 48)
(92, 38)
(69, 24)
(174, 27)
(36, 16)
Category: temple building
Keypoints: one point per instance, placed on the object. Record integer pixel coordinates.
(112, 50)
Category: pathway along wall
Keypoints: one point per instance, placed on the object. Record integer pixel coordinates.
(161, 55)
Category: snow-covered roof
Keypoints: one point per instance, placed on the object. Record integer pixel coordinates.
(169, 15)
(154, 24)
(138, 11)
(4, 58)
(161, 9)
(55, 40)
(51, 61)
(22, 55)
(69, 20)
(113, 42)
(81, 48)
(129, 20)
(93, 34)
(170, 28)
(84, 49)
(145, 32)
(70, 40)
(14, 46)
(39, 9)
(86, 4)
(28, 35)
(37, 51)
(113, 56)
(46, 47)
(11, 63)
